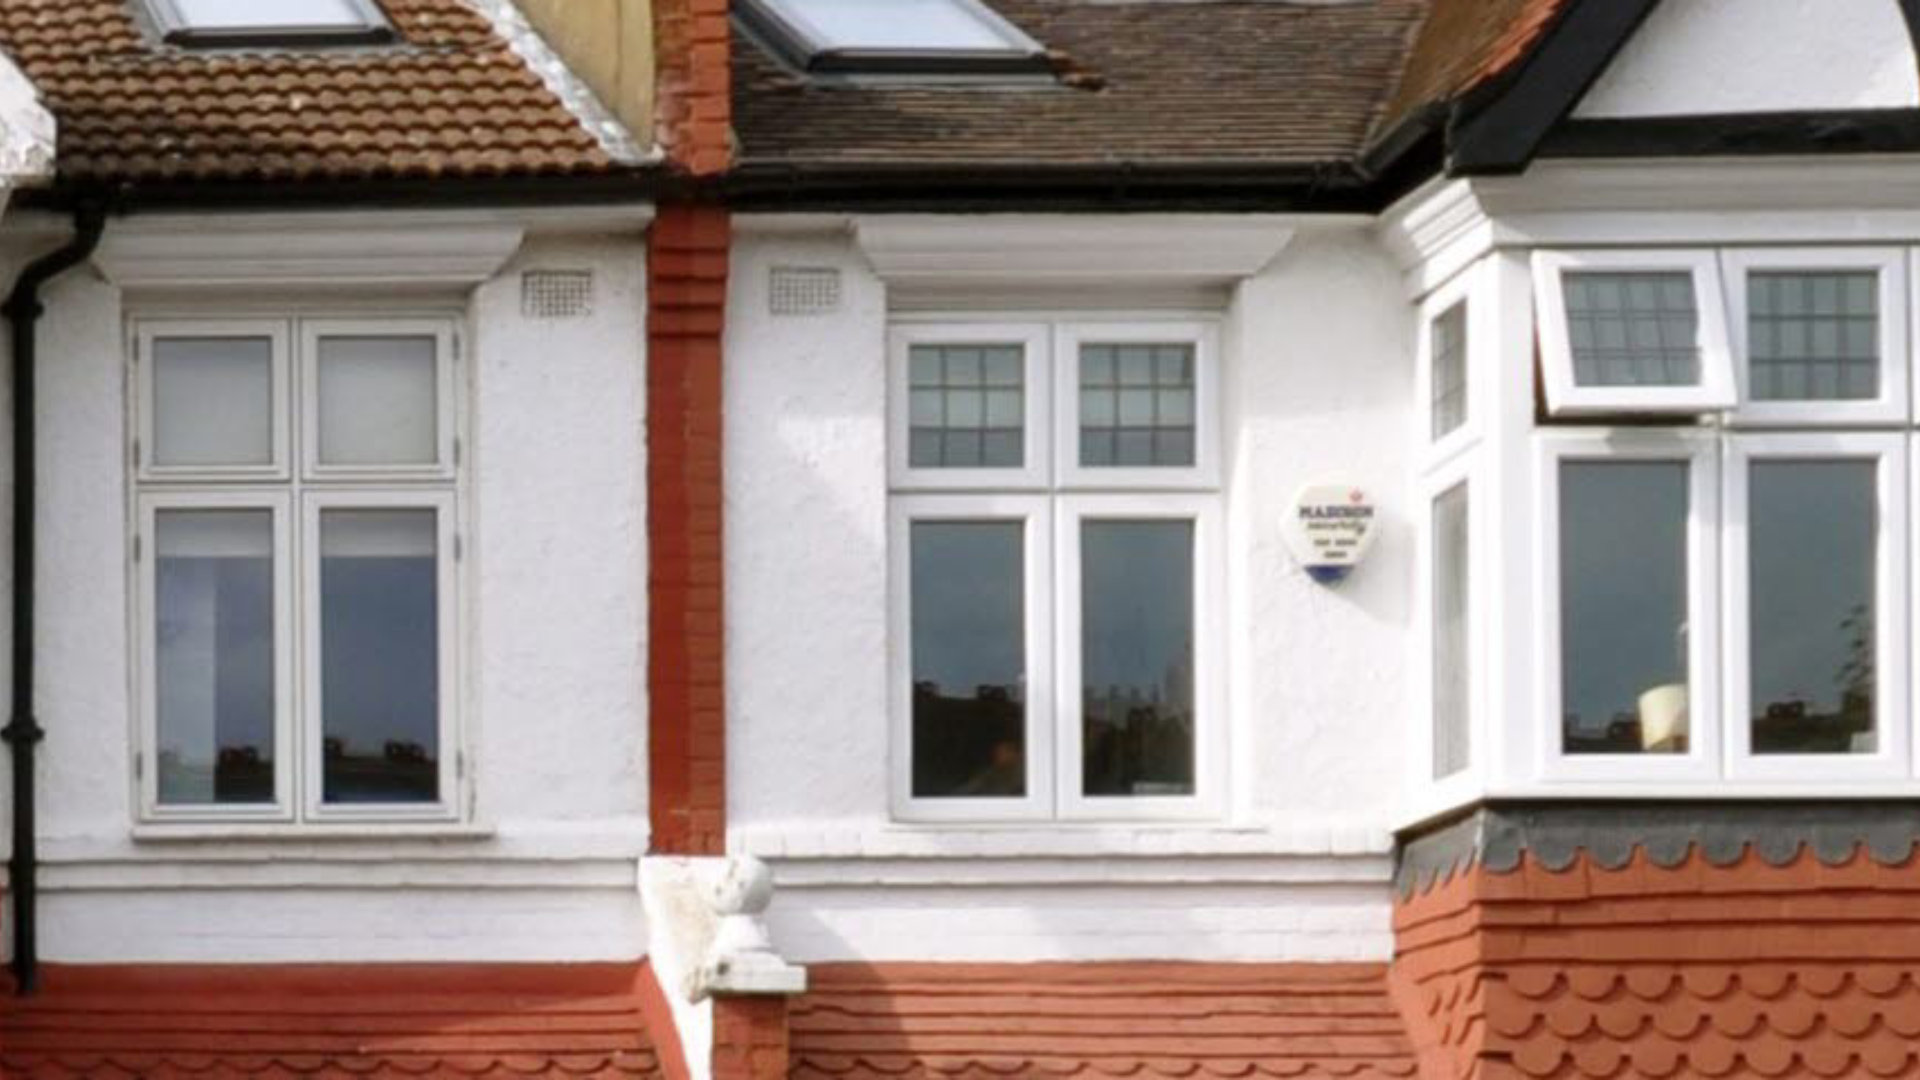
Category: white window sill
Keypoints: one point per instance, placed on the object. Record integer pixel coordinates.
(1050, 840)
(190, 832)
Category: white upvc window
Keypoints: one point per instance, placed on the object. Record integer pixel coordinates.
(1816, 605)
(296, 603)
(1820, 335)
(1056, 596)
(1629, 580)
(1452, 598)
(1632, 332)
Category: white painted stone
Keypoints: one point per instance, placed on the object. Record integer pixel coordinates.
(27, 129)
(556, 548)
(1710, 57)
(1318, 382)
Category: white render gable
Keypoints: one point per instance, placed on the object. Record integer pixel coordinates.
(1724, 57)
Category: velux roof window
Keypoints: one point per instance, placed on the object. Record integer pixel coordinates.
(271, 22)
(886, 37)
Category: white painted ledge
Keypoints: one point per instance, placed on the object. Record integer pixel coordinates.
(899, 841)
(1044, 248)
(190, 251)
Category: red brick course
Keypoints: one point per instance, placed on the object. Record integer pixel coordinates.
(694, 83)
(687, 263)
(750, 1038)
(1738, 971)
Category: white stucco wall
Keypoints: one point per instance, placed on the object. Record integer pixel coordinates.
(1754, 56)
(555, 583)
(1318, 385)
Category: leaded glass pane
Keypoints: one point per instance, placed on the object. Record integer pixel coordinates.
(966, 407)
(1813, 335)
(1637, 328)
(1137, 405)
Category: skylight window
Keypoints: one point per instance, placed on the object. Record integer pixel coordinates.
(271, 22)
(907, 37)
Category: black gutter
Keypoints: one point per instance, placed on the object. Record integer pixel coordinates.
(23, 733)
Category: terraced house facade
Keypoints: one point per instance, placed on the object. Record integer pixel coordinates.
(962, 538)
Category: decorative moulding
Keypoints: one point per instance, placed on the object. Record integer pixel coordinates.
(1068, 250)
(361, 249)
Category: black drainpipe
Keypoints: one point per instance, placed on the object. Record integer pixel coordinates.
(23, 733)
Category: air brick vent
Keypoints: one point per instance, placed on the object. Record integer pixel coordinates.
(804, 290)
(556, 294)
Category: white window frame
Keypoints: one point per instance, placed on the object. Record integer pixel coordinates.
(1470, 472)
(1892, 757)
(1716, 390)
(297, 491)
(1036, 469)
(1458, 291)
(446, 437)
(1893, 404)
(280, 441)
(1700, 452)
(1035, 515)
(1204, 336)
(1210, 734)
(146, 610)
(313, 504)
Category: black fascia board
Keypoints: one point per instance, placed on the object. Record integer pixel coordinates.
(1498, 128)
(1852, 131)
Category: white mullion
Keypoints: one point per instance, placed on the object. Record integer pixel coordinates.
(1033, 513)
(313, 504)
(1891, 756)
(1209, 674)
(286, 752)
(1697, 451)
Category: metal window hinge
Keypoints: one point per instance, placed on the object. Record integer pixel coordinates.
(137, 547)
(459, 347)
(139, 766)
(460, 766)
(136, 453)
(459, 548)
(459, 451)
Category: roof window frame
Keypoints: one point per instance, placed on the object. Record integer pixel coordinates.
(176, 29)
(809, 50)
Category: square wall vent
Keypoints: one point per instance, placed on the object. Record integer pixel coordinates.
(804, 290)
(556, 294)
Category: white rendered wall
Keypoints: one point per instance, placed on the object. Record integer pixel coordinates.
(555, 579)
(1318, 385)
(1706, 57)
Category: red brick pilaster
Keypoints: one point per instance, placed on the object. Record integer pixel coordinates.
(693, 109)
(750, 1038)
(687, 292)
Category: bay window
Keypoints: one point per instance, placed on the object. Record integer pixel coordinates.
(1055, 588)
(296, 528)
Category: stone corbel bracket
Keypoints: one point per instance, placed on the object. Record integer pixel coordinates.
(707, 918)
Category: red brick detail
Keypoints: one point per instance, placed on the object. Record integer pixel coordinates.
(1747, 970)
(750, 1038)
(693, 110)
(687, 284)
(1143, 1021)
(332, 1020)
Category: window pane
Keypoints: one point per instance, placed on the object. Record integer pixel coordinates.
(1813, 336)
(1449, 348)
(969, 659)
(380, 656)
(379, 400)
(213, 656)
(1452, 655)
(1810, 535)
(1623, 606)
(213, 401)
(1136, 650)
(1633, 329)
(895, 25)
(1136, 405)
(247, 14)
(968, 407)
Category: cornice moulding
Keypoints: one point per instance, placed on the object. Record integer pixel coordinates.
(325, 251)
(988, 248)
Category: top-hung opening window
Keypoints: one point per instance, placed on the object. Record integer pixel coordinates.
(279, 22)
(894, 37)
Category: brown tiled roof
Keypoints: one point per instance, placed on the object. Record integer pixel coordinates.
(1144, 1021)
(1238, 82)
(464, 1020)
(1465, 43)
(451, 99)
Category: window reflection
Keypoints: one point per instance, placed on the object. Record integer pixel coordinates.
(1137, 628)
(213, 670)
(1623, 604)
(1810, 530)
(969, 659)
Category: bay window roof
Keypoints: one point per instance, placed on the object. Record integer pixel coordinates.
(904, 37)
